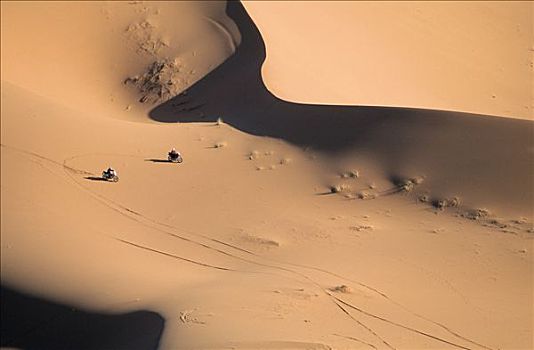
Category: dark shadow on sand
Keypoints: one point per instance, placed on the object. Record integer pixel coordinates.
(29, 322)
(328, 193)
(154, 160)
(235, 92)
(396, 138)
(95, 178)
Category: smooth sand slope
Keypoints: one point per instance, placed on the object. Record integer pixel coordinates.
(288, 226)
(472, 57)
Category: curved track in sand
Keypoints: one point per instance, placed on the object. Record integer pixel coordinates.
(253, 259)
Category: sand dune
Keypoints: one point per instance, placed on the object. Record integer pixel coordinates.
(404, 142)
(465, 56)
(90, 49)
(312, 225)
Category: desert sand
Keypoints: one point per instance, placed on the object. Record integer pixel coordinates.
(355, 175)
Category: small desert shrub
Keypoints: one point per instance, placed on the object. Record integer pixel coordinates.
(407, 186)
(417, 180)
(366, 195)
(253, 155)
(360, 228)
(424, 198)
(285, 161)
(341, 289)
(261, 240)
(339, 188)
(350, 174)
(159, 82)
(453, 202)
(476, 214)
(441, 204)
(220, 144)
(219, 121)
(496, 223)
(354, 174)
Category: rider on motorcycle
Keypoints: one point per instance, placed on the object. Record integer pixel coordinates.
(111, 172)
(174, 154)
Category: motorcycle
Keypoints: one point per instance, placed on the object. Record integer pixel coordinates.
(175, 158)
(110, 176)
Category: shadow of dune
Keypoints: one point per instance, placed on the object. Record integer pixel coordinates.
(34, 323)
(397, 138)
(235, 92)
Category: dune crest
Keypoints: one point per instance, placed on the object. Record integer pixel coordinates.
(459, 56)
(92, 47)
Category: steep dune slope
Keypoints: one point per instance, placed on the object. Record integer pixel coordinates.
(460, 155)
(465, 56)
(79, 54)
